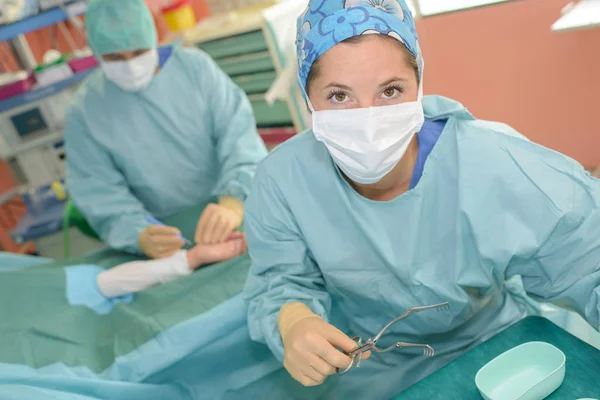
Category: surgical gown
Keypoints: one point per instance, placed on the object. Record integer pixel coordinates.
(489, 206)
(189, 137)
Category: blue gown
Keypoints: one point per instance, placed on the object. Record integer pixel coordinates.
(190, 136)
(489, 206)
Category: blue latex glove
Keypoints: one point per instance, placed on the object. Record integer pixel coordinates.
(82, 290)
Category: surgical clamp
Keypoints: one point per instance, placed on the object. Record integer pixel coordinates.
(371, 343)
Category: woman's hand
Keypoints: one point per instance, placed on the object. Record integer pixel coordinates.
(218, 221)
(311, 350)
(202, 254)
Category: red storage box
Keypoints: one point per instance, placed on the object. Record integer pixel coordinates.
(83, 64)
(17, 88)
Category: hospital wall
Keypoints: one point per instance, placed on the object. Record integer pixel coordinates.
(504, 63)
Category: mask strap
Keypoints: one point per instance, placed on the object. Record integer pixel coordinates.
(310, 106)
(303, 90)
(420, 93)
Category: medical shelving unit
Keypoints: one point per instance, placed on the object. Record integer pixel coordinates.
(44, 227)
(12, 147)
(245, 48)
(41, 20)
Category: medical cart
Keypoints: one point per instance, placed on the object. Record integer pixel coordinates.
(31, 132)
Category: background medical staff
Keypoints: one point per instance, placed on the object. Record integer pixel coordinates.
(155, 131)
(396, 200)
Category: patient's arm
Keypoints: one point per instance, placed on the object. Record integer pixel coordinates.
(139, 275)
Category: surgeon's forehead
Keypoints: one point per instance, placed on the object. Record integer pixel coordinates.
(368, 61)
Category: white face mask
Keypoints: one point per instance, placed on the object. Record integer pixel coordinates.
(367, 143)
(133, 75)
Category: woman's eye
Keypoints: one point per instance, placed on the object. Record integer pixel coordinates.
(390, 92)
(340, 97)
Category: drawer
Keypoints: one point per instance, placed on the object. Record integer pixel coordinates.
(235, 45)
(247, 64)
(276, 115)
(256, 83)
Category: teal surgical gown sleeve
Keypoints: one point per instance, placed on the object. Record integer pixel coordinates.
(99, 190)
(565, 270)
(238, 147)
(283, 268)
(542, 220)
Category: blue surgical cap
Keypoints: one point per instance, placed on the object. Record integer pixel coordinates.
(113, 26)
(326, 23)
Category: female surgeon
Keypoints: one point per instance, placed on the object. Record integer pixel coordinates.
(153, 132)
(393, 201)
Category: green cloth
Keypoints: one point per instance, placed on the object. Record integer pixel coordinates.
(75, 217)
(38, 327)
(457, 379)
(113, 26)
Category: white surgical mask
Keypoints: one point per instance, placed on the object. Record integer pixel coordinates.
(367, 143)
(133, 75)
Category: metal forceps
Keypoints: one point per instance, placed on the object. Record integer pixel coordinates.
(371, 343)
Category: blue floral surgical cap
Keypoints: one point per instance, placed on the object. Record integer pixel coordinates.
(326, 23)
